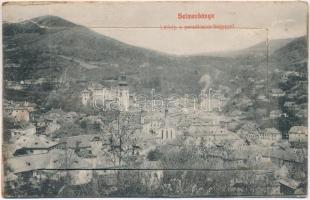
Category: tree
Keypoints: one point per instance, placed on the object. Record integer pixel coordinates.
(121, 135)
(154, 155)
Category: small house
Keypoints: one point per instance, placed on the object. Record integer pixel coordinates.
(298, 134)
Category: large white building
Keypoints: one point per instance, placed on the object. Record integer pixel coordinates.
(107, 98)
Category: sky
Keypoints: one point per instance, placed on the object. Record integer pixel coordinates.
(138, 23)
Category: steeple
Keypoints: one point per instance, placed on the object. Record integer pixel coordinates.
(166, 122)
(123, 92)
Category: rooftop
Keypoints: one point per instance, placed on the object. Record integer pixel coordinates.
(51, 160)
(299, 130)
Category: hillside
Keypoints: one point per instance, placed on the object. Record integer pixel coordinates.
(49, 46)
(287, 72)
(293, 55)
(258, 49)
(56, 50)
(292, 61)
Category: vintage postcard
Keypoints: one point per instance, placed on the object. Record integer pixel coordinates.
(155, 99)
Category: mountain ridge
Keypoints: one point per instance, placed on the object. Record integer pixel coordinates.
(58, 22)
(45, 53)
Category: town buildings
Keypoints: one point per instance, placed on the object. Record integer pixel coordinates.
(102, 140)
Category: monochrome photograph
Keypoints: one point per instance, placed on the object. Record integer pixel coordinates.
(154, 99)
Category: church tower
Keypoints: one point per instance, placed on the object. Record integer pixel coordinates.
(123, 93)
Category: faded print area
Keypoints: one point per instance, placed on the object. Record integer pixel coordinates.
(108, 104)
